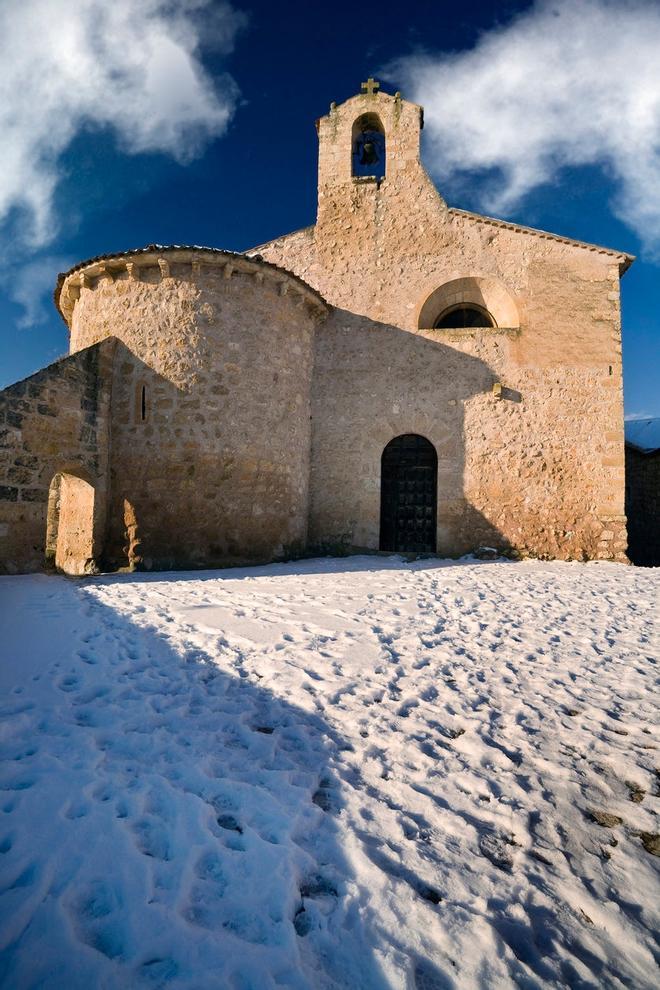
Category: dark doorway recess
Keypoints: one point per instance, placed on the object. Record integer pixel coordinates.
(408, 495)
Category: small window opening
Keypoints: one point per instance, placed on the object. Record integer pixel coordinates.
(143, 403)
(459, 317)
(368, 147)
(610, 369)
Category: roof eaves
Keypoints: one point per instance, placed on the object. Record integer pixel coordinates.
(162, 248)
(625, 259)
(282, 237)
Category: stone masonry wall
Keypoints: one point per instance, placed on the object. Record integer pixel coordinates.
(54, 421)
(519, 472)
(542, 469)
(219, 419)
(210, 407)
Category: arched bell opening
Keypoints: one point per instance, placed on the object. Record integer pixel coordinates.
(408, 495)
(368, 147)
(70, 525)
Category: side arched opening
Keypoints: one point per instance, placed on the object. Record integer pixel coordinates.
(408, 495)
(70, 544)
(469, 302)
(368, 147)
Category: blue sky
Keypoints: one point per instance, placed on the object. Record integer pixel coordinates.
(192, 122)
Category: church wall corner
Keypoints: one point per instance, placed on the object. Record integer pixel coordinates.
(55, 421)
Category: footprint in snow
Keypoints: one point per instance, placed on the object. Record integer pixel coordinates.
(427, 977)
(87, 657)
(103, 793)
(497, 850)
(88, 718)
(324, 797)
(152, 839)
(92, 694)
(158, 972)
(413, 830)
(96, 913)
(209, 868)
(76, 809)
(18, 784)
(229, 823)
(25, 878)
(302, 922)
(24, 754)
(318, 886)
(315, 888)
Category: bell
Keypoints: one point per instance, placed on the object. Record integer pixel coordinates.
(369, 154)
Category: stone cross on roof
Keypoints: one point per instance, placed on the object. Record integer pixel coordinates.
(370, 86)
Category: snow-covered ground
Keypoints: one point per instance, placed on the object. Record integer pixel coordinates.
(356, 773)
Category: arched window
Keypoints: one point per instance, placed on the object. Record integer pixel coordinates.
(457, 317)
(368, 147)
(469, 301)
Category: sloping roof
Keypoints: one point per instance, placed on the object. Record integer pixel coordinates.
(625, 259)
(164, 248)
(643, 434)
(255, 250)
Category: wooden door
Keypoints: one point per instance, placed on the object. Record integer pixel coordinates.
(409, 471)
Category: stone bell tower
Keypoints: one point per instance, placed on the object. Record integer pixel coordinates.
(341, 150)
(374, 196)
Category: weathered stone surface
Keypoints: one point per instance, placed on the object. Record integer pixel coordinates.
(52, 439)
(211, 400)
(539, 471)
(221, 412)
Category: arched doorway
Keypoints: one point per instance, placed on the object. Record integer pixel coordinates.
(70, 525)
(408, 495)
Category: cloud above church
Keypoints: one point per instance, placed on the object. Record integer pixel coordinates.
(31, 287)
(567, 83)
(130, 66)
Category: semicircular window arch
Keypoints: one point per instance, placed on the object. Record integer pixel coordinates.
(464, 316)
(469, 301)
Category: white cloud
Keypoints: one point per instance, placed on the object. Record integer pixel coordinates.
(31, 286)
(569, 82)
(129, 65)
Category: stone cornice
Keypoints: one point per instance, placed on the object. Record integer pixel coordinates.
(162, 257)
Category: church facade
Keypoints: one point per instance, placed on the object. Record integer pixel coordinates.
(400, 376)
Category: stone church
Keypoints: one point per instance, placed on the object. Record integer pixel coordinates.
(401, 376)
